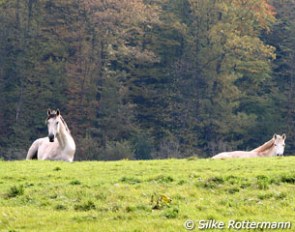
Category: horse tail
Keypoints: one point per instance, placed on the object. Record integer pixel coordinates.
(33, 150)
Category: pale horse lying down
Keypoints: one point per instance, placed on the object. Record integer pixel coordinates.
(273, 147)
(59, 145)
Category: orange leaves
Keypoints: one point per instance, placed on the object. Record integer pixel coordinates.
(263, 12)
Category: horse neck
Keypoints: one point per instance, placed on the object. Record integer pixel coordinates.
(63, 135)
(264, 147)
(268, 152)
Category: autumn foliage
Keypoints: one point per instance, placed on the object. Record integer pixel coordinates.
(143, 79)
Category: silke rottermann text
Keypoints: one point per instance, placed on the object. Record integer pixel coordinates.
(232, 224)
(237, 225)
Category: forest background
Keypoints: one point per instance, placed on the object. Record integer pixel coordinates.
(144, 79)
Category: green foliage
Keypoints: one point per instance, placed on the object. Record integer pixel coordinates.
(118, 150)
(283, 69)
(142, 147)
(147, 79)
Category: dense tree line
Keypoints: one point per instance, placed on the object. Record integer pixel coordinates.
(144, 79)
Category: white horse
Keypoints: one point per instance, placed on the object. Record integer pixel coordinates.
(273, 147)
(49, 148)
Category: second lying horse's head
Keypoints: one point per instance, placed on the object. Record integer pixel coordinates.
(53, 123)
(279, 144)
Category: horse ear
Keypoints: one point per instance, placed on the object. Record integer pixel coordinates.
(57, 112)
(275, 136)
(284, 136)
(48, 112)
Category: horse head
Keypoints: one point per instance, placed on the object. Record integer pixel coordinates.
(53, 123)
(279, 144)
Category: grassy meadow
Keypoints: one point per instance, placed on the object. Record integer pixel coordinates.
(157, 195)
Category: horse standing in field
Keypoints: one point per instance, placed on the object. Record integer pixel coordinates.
(273, 147)
(59, 145)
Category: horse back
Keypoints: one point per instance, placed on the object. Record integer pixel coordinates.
(235, 154)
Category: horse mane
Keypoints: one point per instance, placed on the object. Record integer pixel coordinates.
(266, 146)
(65, 124)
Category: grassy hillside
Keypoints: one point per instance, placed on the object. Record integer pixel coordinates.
(157, 195)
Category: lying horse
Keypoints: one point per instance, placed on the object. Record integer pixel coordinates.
(273, 147)
(49, 148)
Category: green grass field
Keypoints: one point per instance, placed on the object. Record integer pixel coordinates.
(158, 195)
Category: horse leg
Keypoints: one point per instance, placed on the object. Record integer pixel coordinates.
(33, 151)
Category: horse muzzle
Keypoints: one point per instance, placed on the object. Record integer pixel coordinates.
(51, 138)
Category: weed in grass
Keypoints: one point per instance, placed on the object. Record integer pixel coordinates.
(211, 217)
(122, 217)
(233, 180)
(130, 209)
(179, 197)
(216, 179)
(290, 179)
(181, 182)
(15, 191)
(245, 185)
(281, 196)
(53, 196)
(121, 197)
(263, 182)
(60, 207)
(7, 178)
(265, 196)
(143, 208)
(44, 203)
(87, 218)
(27, 200)
(201, 208)
(162, 179)
(194, 176)
(102, 209)
(75, 182)
(231, 203)
(160, 201)
(213, 182)
(233, 190)
(171, 212)
(89, 205)
(114, 207)
(28, 185)
(130, 180)
(57, 169)
(101, 196)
